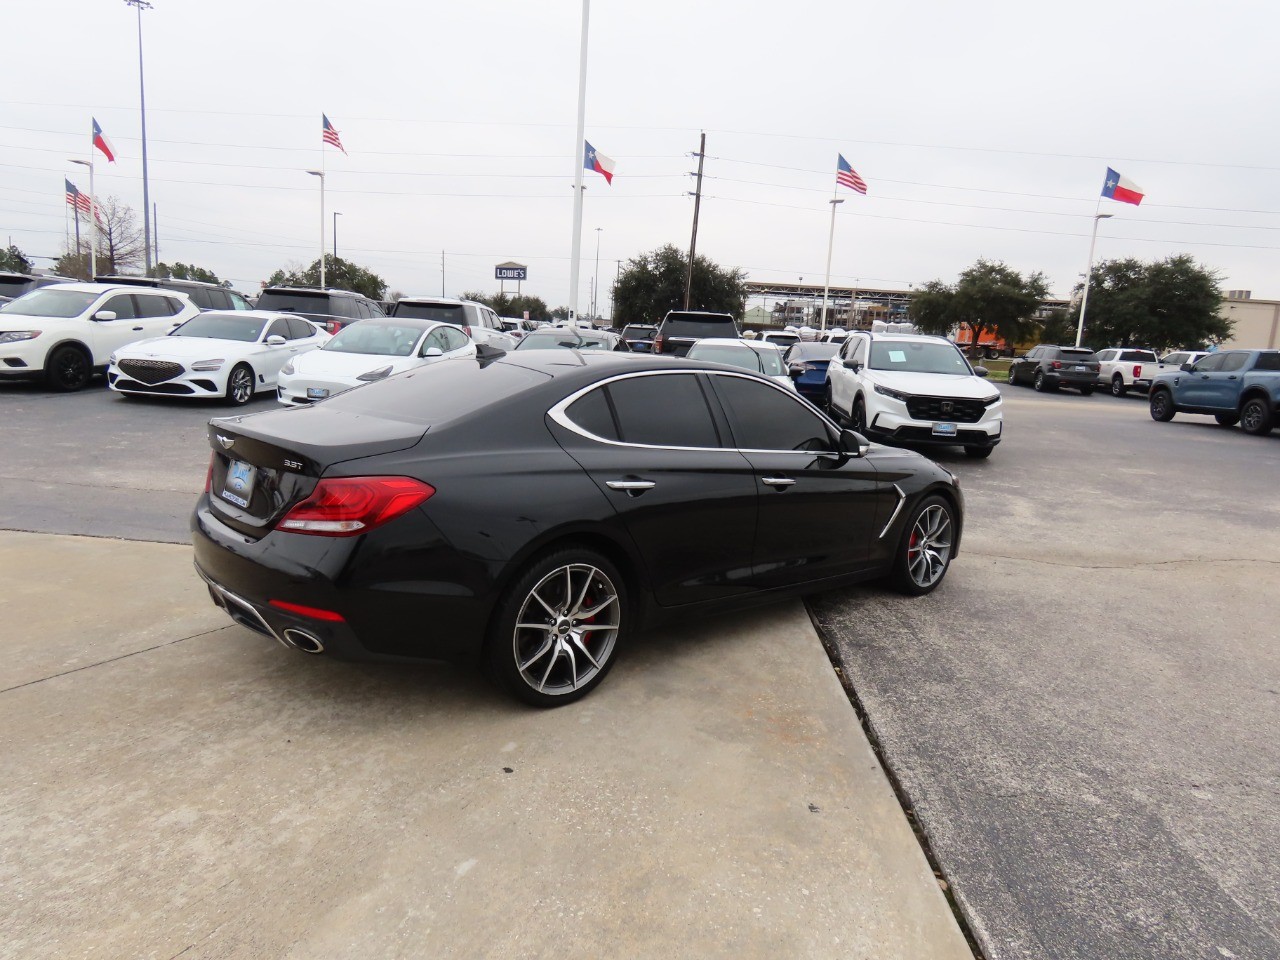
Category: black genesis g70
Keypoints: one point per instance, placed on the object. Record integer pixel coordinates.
(535, 510)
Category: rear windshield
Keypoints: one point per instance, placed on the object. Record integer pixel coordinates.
(220, 326)
(635, 331)
(293, 301)
(699, 326)
(51, 302)
(1138, 356)
(1076, 353)
(812, 351)
(441, 312)
(13, 286)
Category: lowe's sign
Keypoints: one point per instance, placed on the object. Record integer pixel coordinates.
(511, 271)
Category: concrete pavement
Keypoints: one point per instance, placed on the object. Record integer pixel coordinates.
(173, 784)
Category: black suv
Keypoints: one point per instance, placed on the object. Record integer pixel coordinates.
(681, 329)
(331, 308)
(1047, 367)
(14, 285)
(206, 296)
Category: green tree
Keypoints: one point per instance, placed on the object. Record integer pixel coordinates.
(1164, 305)
(14, 261)
(511, 305)
(653, 283)
(988, 297)
(339, 273)
(183, 271)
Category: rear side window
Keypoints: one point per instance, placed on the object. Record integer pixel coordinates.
(152, 306)
(593, 414)
(1234, 361)
(299, 329)
(764, 418)
(699, 326)
(1076, 355)
(668, 410)
(440, 312)
(1268, 361)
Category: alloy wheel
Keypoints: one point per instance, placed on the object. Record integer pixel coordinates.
(240, 389)
(929, 549)
(70, 369)
(566, 629)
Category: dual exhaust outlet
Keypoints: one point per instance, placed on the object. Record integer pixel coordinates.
(301, 640)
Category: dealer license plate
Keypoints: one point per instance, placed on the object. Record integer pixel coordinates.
(316, 393)
(1082, 369)
(238, 487)
(944, 429)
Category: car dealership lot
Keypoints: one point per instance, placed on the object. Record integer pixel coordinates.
(1083, 718)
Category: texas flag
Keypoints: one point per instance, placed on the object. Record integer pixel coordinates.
(1119, 188)
(102, 143)
(598, 162)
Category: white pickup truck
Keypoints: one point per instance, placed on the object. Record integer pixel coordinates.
(1121, 369)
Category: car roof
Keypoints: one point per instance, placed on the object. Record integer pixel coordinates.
(331, 291)
(451, 301)
(90, 286)
(416, 323)
(900, 337)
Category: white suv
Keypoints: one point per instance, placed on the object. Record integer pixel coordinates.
(477, 321)
(914, 389)
(64, 333)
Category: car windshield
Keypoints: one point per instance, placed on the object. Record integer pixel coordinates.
(376, 337)
(552, 340)
(441, 312)
(782, 339)
(917, 357)
(219, 326)
(51, 303)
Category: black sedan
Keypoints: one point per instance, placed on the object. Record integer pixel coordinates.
(536, 510)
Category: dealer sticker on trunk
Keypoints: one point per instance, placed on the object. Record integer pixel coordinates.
(239, 486)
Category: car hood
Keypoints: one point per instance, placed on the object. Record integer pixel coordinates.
(334, 363)
(21, 321)
(187, 348)
(935, 384)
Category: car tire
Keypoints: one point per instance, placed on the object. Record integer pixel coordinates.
(925, 549)
(829, 405)
(1038, 382)
(1227, 419)
(858, 420)
(1013, 379)
(68, 369)
(1087, 390)
(239, 385)
(1118, 388)
(1162, 408)
(535, 650)
(979, 453)
(1255, 417)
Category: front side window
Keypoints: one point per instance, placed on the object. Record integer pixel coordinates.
(1210, 363)
(218, 326)
(122, 305)
(434, 339)
(765, 418)
(279, 328)
(667, 410)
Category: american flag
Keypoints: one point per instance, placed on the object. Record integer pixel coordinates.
(77, 199)
(848, 177)
(330, 135)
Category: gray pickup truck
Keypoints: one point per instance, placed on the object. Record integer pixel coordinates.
(1233, 386)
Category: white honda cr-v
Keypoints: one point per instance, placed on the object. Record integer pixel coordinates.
(914, 389)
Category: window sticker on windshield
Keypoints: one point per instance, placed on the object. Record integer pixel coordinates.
(897, 356)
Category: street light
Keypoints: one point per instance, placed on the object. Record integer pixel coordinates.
(336, 215)
(320, 174)
(831, 240)
(141, 5)
(93, 217)
(595, 284)
(1084, 298)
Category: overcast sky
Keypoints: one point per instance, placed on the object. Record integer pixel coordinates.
(983, 129)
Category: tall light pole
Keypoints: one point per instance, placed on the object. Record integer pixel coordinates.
(93, 218)
(579, 155)
(141, 5)
(320, 174)
(336, 215)
(831, 240)
(1088, 276)
(595, 284)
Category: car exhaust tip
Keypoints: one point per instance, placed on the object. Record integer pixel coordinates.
(301, 640)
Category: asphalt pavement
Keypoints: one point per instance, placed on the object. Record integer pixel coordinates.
(1084, 716)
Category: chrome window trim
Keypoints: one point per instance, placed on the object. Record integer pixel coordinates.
(902, 498)
(558, 412)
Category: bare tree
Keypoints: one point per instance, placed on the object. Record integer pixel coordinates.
(120, 243)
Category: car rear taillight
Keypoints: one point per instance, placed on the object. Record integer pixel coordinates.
(347, 506)
(1057, 364)
(1137, 370)
(657, 344)
(315, 613)
(467, 331)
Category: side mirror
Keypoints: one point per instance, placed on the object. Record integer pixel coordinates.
(1186, 367)
(981, 371)
(275, 340)
(795, 371)
(853, 365)
(105, 315)
(854, 443)
(432, 352)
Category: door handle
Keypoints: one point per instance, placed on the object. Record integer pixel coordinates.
(137, 328)
(777, 481)
(631, 486)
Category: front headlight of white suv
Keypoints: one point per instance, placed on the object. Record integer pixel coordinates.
(17, 336)
(892, 394)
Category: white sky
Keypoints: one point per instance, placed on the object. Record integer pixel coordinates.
(983, 129)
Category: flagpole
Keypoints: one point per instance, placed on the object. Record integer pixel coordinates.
(579, 148)
(322, 277)
(835, 201)
(1088, 276)
(93, 214)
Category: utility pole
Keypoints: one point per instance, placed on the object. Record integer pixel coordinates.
(141, 5)
(693, 241)
(442, 273)
(155, 236)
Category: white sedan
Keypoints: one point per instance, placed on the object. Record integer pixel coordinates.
(367, 351)
(226, 354)
(763, 358)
